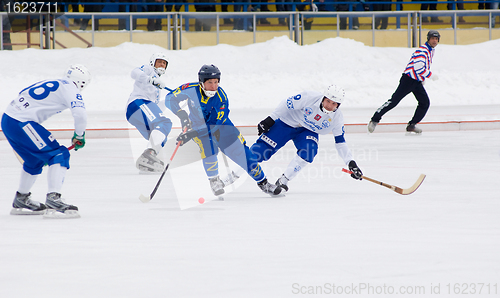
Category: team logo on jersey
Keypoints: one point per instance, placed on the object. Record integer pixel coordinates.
(308, 111)
(325, 123)
(184, 86)
(77, 104)
(222, 107)
(317, 117)
(289, 104)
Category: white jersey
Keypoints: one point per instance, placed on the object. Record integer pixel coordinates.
(44, 99)
(303, 110)
(143, 89)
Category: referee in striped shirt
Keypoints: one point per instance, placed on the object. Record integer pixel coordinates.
(417, 70)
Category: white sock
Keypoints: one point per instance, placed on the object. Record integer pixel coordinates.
(155, 139)
(55, 177)
(295, 166)
(27, 181)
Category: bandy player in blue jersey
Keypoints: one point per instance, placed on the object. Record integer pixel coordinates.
(209, 126)
(21, 124)
(301, 118)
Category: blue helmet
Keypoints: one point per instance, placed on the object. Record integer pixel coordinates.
(208, 72)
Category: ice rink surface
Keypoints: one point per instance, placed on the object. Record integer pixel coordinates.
(329, 234)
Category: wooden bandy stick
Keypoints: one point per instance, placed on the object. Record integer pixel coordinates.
(401, 191)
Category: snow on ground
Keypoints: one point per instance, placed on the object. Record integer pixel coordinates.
(330, 234)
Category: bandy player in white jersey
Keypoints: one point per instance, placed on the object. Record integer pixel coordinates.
(21, 124)
(301, 118)
(144, 113)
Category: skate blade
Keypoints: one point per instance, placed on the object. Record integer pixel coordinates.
(412, 133)
(141, 172)
(25, 211)
(281, 194)
(147, 170)
(54, 214)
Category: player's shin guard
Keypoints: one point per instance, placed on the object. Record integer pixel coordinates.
(294, 167)
(55, 177)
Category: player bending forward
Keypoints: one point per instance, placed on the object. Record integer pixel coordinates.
(301, 118)
(21, 124)
(143, 111)
(209, 125)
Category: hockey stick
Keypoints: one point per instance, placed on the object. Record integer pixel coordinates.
(401, 191)
(146, 199)
(22, 161)
(166, 88)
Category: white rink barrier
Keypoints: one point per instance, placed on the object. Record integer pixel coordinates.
(104, 133)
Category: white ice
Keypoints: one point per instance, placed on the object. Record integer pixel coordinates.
(329, 233)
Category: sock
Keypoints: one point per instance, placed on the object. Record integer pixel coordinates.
(27, 181)
(295, 166)
(55, 177)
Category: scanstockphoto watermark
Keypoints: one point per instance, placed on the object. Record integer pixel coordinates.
(384, 289)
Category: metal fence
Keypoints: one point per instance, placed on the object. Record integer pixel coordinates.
(181, 22)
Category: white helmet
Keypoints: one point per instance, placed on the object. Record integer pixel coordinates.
(152, 62)
(79, 75)
(335, 93)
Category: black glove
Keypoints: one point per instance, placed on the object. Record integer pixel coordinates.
(183, 116)
(186, 136)
(265, 125)
(356, 172)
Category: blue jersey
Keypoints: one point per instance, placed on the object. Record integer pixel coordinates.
(211, 112)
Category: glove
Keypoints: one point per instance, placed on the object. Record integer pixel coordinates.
(186, 136)
(356, 172)
(157, 82)
(183, 116)
(265, 125)
(78, 141)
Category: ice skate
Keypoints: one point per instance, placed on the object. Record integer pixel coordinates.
(24, 205)
(57, 208)
(411, 129)
(269, 188)
(149, 163)
(229, 179)
(282, 182)
(371, 126)
(217, 185)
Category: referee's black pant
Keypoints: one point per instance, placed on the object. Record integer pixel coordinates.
(406, 85)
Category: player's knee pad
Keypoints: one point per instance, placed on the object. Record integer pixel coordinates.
(61, 157)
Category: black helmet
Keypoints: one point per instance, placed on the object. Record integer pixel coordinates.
(208, 72)
(433, 33)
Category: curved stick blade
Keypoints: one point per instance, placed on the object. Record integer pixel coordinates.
(414, 187)
(144, 199)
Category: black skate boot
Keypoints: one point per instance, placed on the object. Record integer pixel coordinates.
(269, 188)
(282, 182)
(371, 126)
(411, 128)
(217, 185)
(23, 205)
(148, 162)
